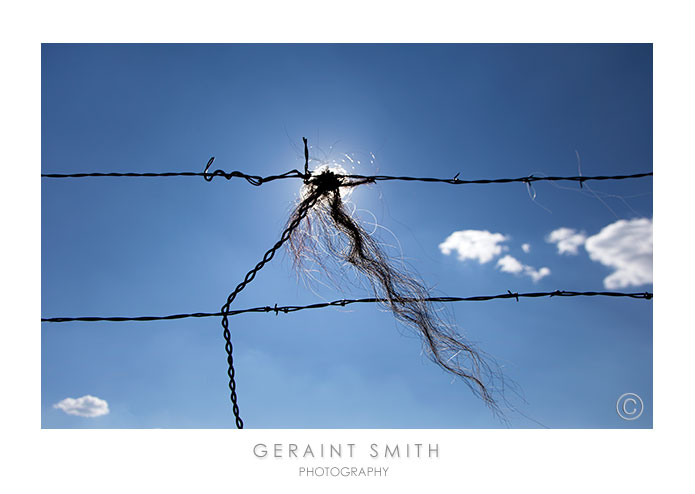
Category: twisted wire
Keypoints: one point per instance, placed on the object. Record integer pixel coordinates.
(529, 179)
(344, 302)
(257, 180)
(225, 312)
(252, 179)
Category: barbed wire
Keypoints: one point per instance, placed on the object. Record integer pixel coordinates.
(252, 179)
(344, 302)
(258, 180)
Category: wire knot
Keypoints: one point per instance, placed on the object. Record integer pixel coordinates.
(325, 182)
(515, 294)
(252, 179)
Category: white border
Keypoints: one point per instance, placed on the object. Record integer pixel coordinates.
(545, 461)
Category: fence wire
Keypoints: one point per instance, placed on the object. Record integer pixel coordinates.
(344, 302)
(258, 180)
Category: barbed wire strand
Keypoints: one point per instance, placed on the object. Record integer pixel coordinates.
(343, 302)
(258, 180)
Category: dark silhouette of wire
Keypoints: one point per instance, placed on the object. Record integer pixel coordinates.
(252, 179)
(267, 257)
(529, 179)
(343, 302)
(258, 180)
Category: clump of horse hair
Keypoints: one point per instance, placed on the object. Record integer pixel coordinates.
(327, 235)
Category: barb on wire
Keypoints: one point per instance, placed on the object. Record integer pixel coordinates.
(344, 302)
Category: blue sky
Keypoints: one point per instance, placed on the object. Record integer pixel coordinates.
(161, 246)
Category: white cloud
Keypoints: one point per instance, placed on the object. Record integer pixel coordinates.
(568, 240)
(85, 406)
(474, 244)
(483, 246)
(536, 274)
(627, 247)
(509, 264)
